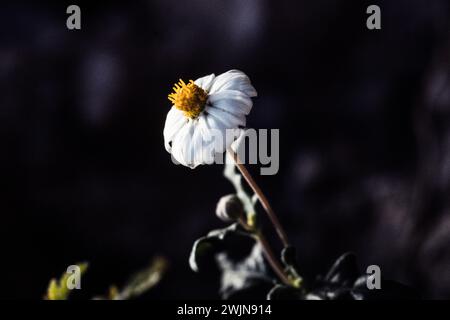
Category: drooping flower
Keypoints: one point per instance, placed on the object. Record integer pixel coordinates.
(202, 111)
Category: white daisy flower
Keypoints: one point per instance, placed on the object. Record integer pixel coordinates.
(203, 114)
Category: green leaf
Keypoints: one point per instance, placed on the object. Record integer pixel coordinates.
(204, 249)
(233, 256)
(282, 292)
(58, 289)
(142, 281)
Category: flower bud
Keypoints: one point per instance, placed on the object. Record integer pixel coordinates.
(229, 208)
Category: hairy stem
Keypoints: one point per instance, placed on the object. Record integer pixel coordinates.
(261, 197)
(268, 253)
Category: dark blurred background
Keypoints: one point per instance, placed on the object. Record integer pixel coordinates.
(363, 117)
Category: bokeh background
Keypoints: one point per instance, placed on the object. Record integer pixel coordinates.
(363, 117)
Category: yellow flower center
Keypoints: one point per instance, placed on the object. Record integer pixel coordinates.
(189, 98)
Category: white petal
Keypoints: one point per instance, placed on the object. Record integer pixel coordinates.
(233, 80)
(205, 82)
(223, 121)
(213, 122)
(198, 144)
(203, 143)
(240, 140)
(229, 120)
(214, 136)
(232, 101)
(181, 144)
(175, 121)
(214, 128)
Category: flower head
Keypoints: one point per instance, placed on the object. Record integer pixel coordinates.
(202, 112)
(189, 98)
